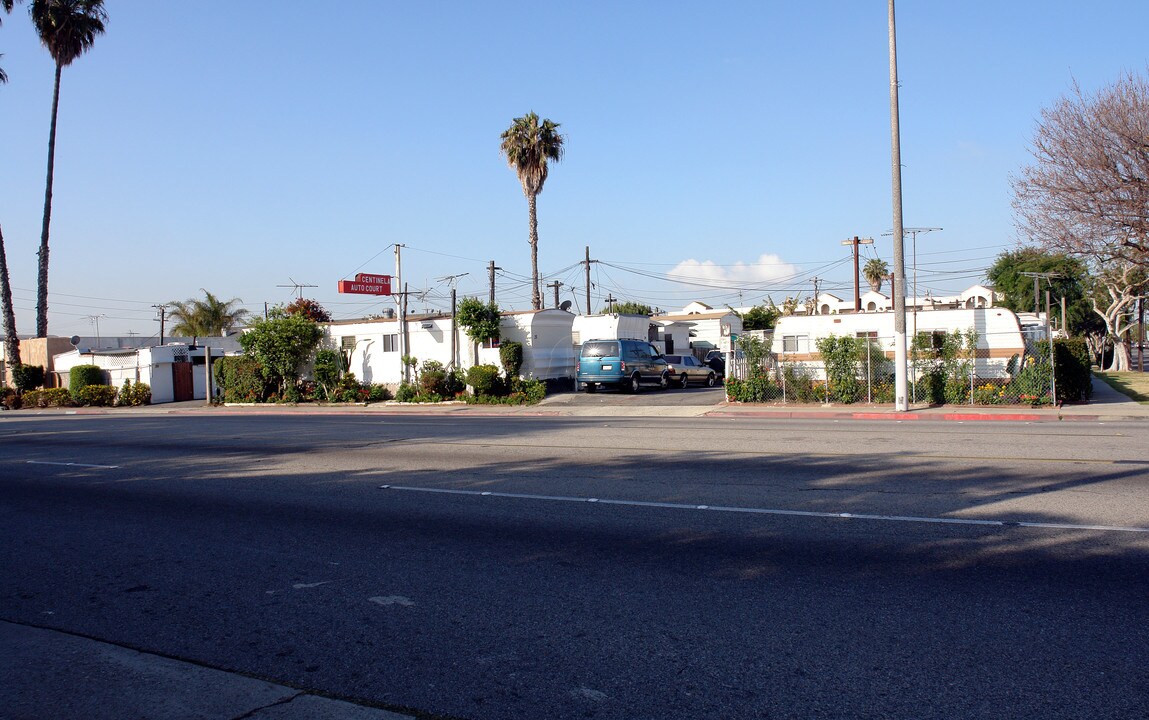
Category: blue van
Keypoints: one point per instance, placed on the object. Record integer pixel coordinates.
(624, 363)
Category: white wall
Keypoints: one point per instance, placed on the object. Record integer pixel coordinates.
(545, 336)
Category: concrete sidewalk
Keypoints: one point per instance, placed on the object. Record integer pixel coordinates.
(50, 674)
(1107, 405)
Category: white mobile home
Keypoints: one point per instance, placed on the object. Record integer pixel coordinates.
(375, 348)
(706, 329)
(999, 335)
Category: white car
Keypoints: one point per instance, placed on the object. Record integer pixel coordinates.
(686, 369)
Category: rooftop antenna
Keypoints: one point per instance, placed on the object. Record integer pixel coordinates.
(451, 280)
(297, 287)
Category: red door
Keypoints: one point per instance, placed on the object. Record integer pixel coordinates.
(182, 387)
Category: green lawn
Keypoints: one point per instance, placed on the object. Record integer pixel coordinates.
(1133, 384)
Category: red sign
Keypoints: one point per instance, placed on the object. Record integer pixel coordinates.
(365, 284)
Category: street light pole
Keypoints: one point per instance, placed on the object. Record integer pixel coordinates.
(901, 394)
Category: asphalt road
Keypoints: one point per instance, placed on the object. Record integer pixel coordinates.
(623, 568)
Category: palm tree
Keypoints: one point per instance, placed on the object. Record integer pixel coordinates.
(528, 145)
(11, 339)
(200, 318)
(875, 271)
(68, 28)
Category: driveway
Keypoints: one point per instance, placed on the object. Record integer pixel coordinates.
(649, 396)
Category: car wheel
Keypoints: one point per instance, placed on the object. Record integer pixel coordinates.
(664, 381)
(711, 380)
(685, 379)
(591, 387)
(635, 383)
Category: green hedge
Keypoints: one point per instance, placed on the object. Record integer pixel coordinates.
(241, 379)
(1071, 371)
(132, 395)
(485, 380)
(27, 377)
(95, 396)
(52, 397)
(81, 376)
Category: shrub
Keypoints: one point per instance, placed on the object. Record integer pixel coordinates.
(134, 395)
(81, 376)
(328, 366)
(27, 377)
(9, 398)
(842, 356)
(50, 397)
(378, 393)
(957, 391)
(347, 389)
(1071, 370)
(485, 380)
(522, 392)
(758, 388)
(406, 393)
(95, 396)
(240, 379)
(511, 358)
(1032, 380)
(800, 387)
(433, 379)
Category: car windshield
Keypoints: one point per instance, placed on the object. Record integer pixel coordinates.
(601, 348)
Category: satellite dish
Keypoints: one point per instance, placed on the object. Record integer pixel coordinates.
(75, 340)
(565, 306)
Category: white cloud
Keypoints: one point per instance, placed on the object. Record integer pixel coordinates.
(768, 268)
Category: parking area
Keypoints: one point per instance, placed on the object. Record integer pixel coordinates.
(648, 396)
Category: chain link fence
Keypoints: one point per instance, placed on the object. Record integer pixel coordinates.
(954, 368)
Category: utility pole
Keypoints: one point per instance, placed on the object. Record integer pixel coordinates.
(1037, 287)
(555, 286)
(913, 232)
(587, 263)
(163, 309)
(491, 268)
(901, 386)
(401, 311)
(610, 302)
(403, 337)
(855, 242)
(454, 334)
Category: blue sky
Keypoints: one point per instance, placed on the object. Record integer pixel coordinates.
(242, 146)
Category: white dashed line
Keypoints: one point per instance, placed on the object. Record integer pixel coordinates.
(68, 464)
(775, 511)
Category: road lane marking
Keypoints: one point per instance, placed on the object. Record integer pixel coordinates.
(774, 511)
(392, 600)
(70, 464)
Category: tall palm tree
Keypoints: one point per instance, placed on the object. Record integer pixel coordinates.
(528, 145)
(68, 28)
(196, 318)
(11, 339)
(875, 271)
